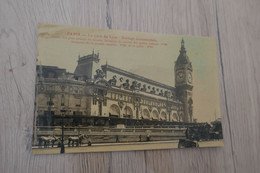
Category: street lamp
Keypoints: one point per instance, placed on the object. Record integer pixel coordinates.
(62, 148)
(179, 116)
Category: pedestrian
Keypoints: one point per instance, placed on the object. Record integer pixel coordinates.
(148, 138)
(187, 133)
(117, 139)
(89, 143)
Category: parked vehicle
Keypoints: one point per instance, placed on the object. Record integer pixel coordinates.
(186, 143)
(204, 131)
(216, 130)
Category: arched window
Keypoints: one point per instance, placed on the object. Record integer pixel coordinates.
(155, 115)
(128, 113)
(146, 114)
(114, 110)
(62, 102)
(163, 116)
(175, 117)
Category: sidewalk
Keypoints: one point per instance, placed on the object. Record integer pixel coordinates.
(106, 147)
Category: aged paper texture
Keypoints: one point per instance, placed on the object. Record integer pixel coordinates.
(104, 90)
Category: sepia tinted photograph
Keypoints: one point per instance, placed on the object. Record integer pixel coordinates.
(99, 90)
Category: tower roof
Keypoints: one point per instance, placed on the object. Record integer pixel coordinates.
(85, 64)
(183, 58)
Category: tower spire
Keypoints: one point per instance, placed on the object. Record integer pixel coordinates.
(182, 46)
(182, 42)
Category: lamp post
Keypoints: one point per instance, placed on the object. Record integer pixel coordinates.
(62, 148)
(168, 106)
(179, 116)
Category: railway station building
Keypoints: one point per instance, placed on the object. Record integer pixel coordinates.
(96, 94)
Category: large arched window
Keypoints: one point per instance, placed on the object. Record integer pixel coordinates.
(175, 117)
(155, 114)
(114, 110)
(163, 116)
(62, 101)
(146, 114)
(181, 118)
(128, 113)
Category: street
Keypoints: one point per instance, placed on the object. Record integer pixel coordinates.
(106, 147)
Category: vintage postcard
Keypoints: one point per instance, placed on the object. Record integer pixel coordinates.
(101, 90)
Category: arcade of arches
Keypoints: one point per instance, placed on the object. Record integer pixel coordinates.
(127, 112)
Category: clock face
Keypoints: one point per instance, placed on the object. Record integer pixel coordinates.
(180, 76)
(189, 77)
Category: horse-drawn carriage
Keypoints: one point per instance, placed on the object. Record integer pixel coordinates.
(204, 131)
(198, 132)
(194, 134)
(47, 141)
(186, 143)
(77, 140)
(216, 130)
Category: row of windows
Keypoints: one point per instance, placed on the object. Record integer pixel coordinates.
(62, 103)
(51, 103)
(55, 88)
(122, 97)
(100, 101)
(76, 90)
(152, 103)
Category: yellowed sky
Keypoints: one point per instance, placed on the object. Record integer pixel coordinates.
(155, 63)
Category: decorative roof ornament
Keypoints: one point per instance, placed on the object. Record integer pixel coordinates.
(183, 50)
(183, 58)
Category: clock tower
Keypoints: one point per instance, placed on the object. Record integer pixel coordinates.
(183, 83)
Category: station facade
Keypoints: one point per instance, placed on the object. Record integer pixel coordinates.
(96, 90)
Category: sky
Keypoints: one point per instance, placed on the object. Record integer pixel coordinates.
(57, 47)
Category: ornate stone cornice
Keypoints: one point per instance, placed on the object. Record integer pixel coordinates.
(106, 68)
